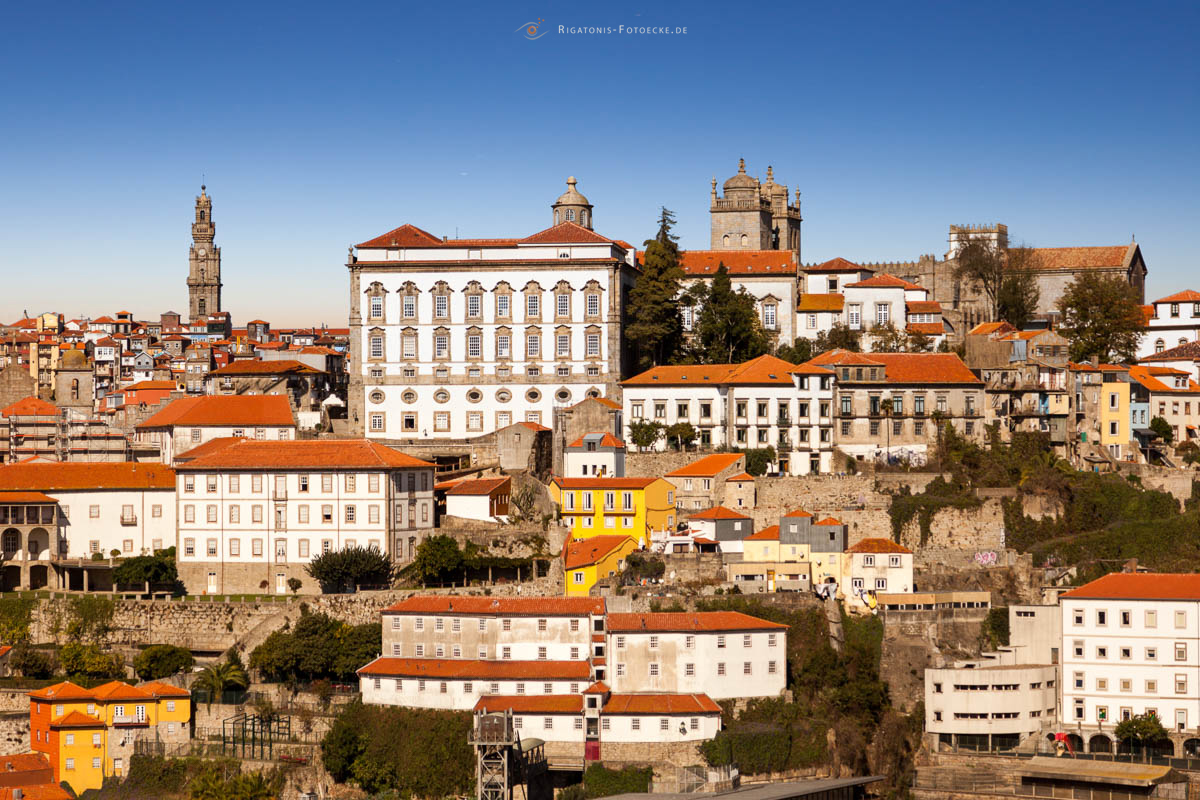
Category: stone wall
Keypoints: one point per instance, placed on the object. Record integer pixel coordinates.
(14, 732)
(656, 465)
(690, 567)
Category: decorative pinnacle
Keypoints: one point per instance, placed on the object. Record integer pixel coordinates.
(741, 166)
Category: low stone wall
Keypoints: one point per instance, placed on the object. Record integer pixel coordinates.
(14, 732)
(689, 567)
(656, 465)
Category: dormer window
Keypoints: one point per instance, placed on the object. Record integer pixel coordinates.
(1174, 309)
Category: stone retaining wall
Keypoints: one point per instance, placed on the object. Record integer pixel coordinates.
(14, 732)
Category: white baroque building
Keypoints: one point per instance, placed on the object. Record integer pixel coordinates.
(454, 338)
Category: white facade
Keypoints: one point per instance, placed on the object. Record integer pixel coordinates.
(132, 521)
(756, 404)
(593, 462)
(173, 440)
(470, 506)
(458, 339)
(458, 693)
(1175, 321)
(989, 704)
(879, 572)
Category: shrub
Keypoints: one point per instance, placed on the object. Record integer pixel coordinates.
(319, 646)
(344, 570)
(139, 570)
(87, 661)
(161, 661)
(600, 781)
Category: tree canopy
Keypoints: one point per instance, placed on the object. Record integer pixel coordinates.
(437, 557)
(319, 646)
(1006, 276)
(1018, 295)
(645, 433)
(838, 337)
(162, 661)
(1101, 317)
(727, 329)
(344, 570)
(656, 328)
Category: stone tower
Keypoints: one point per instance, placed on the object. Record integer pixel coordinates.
(571, 206)
(754, 215)
(204, 262)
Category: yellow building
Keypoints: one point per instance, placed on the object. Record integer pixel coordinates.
(586, 561)
(633, 507)
(1114, 416)
(90, 734)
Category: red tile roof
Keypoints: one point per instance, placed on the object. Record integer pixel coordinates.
(799, 512)
(599, 687)
(739, 262)
(585, 552)
(37, 791)
(76, 719)
(1186, 296)
(668, 621)
(404, 236)
(1076, 258)
(877, 546)
(923, 307)
(718, 512)
(743, 476)
(78, 475)
(479, 486)
(603, 483)
(1184, 352)
(606, 440)
(884, 281)
(470, 668)
(838, 264)
(566, 233)
(119, 690)
(770, 534)
(160, 689)
(821, 302)
(604, 401)
(19, 498)
(211, 446)
(498, 606)
(238, 410)
(1161, 379)
(533, 426)
(310, 453)
(140, 385)
(255, 367)
(905, 367)
(764, 370)
(1140, 586)
(927, 328)
(531, 703)
(23, 762)
(707, 467)
(30, 407)
(689, 704)
(62, 691)
(828, 521)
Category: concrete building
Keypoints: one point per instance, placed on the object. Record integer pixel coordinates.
(192, 421)
(702, 483)
(484, 499)
(436, 323)
(252, 514)
(637, 507)
(594, 455)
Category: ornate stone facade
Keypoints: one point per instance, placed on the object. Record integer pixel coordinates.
(753, 215)
(204, 262)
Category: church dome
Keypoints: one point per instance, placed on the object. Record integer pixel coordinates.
(571, 197)
(741, 180)
(73, 359)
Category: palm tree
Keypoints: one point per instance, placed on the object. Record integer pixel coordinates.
(216, 678)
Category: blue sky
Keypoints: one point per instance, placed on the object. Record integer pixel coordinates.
(319, 125)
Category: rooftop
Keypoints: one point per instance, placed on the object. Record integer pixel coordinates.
(876, 546)
(498, 606)
(479, 486)
(239, 410)
(475, 668)
(585, 552)
(718, 512)
(310, 453)
(79, 475)
(688, 621)
(1139, 586)
(707, 467)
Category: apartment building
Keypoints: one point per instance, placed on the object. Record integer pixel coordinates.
(702, 483)
(1027, 377)
(89, 735)
(1131, 646)
(764, 402)
(192, 421)
(252, 514)
(1173, 395)
(586, 561)
(594, 455)
(1172, 321)
(637, 507)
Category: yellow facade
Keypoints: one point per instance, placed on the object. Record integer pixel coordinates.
(1114, 418)
(82, 760)
(610, 506)
(581, 579)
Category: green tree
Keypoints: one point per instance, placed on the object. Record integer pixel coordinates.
(437, 558)
(1162, 429)
(656, 327)
(838, 337)
(1018, 295)
(1101, 317)
(215, 679)
(345, 570)
(759, 459)
(727, 330)
(81, 660)
(156, 569)
(161, 661)
(886, 339)
(645, 433)
(919, 342)
(797, 352)
(682, 433)
(1143, 729)
(30, 663)
(294, 584)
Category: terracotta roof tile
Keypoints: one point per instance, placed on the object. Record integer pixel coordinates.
(30, 407)
(884, 281)
(927, 328)
(119, 690)
(1186, 296)
(906, 367)
(37, 791)
(585, 552)
(599, 687)
(1161, 379)
(603, 483)
(211, 446)
(799, 512)
(76, 719)
(254, 367)
(499, 606)
(62, 691)
(314, 453)
(404, 236)
(606, 440)
(531, 703)
(1076, 258)
(566, 233)
(838, 264)
(689, 704)
(604, 401)
(23, 762)
(923, 307)
(240, 410)
(877, 546)
(1184, 352)
(78, 475)
(160, 689)
(742, 476)
(761, 371)
(828, 521)
(821, 302)
(1140, 586)
(19, 498)
(769, 534)
(739, 262)
(533, 426)
(688, 621)
(718, 512)
(471, 668)
(707, 467)
(143, 385)
(479, 486)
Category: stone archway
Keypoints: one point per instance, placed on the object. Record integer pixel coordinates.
(37, 546)
(1100, 743)
(1163, 749)
(11, 542)
(1076, 742)
(1191, 748)
(10, 578)
(39, 576)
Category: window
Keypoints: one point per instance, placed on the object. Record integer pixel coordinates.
(1181, 651)
(720, 641)
(1180, 619)
(533, 306)
(720, 668)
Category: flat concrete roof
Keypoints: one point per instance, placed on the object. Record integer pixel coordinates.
(1088, 771)
(765, 791)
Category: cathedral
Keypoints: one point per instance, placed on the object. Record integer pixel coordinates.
(204, 263)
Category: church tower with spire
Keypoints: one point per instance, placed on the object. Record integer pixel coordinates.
(754, 214)
(204, 262)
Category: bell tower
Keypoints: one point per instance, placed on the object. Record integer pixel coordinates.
(204, 262)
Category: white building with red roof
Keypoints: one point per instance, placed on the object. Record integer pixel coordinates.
(594, 455)
(191, 421)
(1171, 321)
(876, 566)
(452, 339)
(253, 514)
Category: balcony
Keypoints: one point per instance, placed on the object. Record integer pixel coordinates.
(129, 519)
(279, 494)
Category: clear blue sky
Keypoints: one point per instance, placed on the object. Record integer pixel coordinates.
(320, 125)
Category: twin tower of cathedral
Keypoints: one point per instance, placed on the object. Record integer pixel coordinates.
(752, 215)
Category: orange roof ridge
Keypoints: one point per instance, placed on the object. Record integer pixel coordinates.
(506, 606)
(664, 621)
(300, 453)
(706, 467)
(584, 552)
(718, 512)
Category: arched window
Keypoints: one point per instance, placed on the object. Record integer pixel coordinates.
(201, 216)
(75, 389)
(570, 215)
(725, 240)
(12, 541)
(1159, 346)
(745, 240)
(583, 218)
(556, 216)
(202, 306)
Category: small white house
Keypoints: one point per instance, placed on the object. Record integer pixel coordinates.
(594, 455)
(877, 565)
(483, 499)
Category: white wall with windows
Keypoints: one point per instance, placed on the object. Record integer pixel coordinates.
(133, 522)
